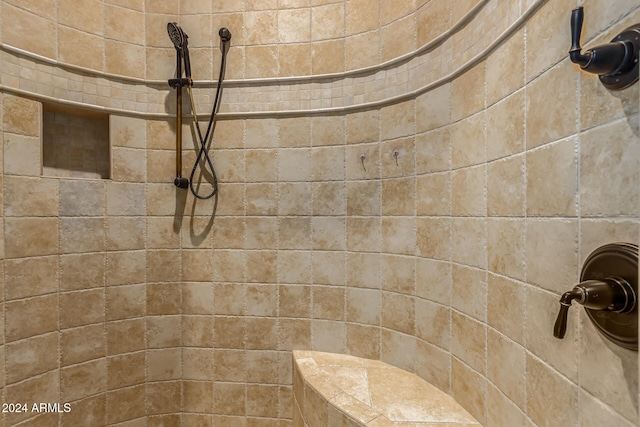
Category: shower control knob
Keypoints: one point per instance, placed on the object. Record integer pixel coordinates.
(608, 292)
(616, 63)
(613, 294)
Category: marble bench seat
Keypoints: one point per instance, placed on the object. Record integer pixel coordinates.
(336, 390)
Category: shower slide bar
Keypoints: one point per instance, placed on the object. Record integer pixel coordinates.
(181, 44)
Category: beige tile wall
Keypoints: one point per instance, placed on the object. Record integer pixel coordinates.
(435, 233)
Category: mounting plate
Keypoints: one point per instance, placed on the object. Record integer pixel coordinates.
(625, 78)
(614, 260)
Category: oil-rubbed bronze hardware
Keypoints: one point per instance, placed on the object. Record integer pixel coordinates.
(616, 63)
(608, 292)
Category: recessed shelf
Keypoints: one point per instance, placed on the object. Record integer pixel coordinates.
(75, 142)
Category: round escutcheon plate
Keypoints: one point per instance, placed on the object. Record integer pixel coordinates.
(614, 260)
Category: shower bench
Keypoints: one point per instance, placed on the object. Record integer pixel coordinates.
(340, 390)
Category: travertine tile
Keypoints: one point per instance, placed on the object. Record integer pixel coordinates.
(503, 412)
(82, 344)
(79, 308)
(363, 234)
(468, 93)
(77, 381)
(363, 270)
(433, 151)
(197, 331)
(164, 397)
(505, 68)
(125, 336)
(361, 50)
(506, 187)
(328, 335)
(552, 243)
(389, 13)
(163, 265)
(228, 398)
(545, 121)
(21, 155)
(262, 61)
(542, 406)
(361, 16)
(469, 389)
(469, 341)
(125, 301)
(506, 366)
(541, 312)
(27, 318)
(44, 387)
(328, 233)
(505, 126)
(294, 334)
(21, 116)
(262, 400)
(41, 42)
(433, 194)
(595, 413)
(398, 38)
(398, 312)
(163, 298)
(594, 348)
(598, 106)
(469, 240)
(433, 19)
(163, 331)
(86, 15)
(328, 163)
(397, 120)
(293, 25)
(505, 306)
(398, 273)
(398, 349)
(290, 182)
(468, 188)
(362, 127)
(552, 191)
(613, 196)
(31, 357)
(398, 235)
(433, 323)
(433, 237)
(432, 108)
(82, 49)
(294, 198)
(545, 48)
(91, 409)
(28, 277)
(468, 141)
(327, 22)
(469, 291)
(506, 247)
(125, 404)
(433, 364)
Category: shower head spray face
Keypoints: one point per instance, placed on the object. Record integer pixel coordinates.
(176, 35)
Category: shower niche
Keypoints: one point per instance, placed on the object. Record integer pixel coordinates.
(75, 142)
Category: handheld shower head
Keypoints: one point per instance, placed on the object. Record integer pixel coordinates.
(180, 40)
(225, 34)
(176, 35)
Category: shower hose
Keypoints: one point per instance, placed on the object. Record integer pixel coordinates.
(205, 141)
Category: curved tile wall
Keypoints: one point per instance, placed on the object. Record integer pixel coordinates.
(399, 212)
